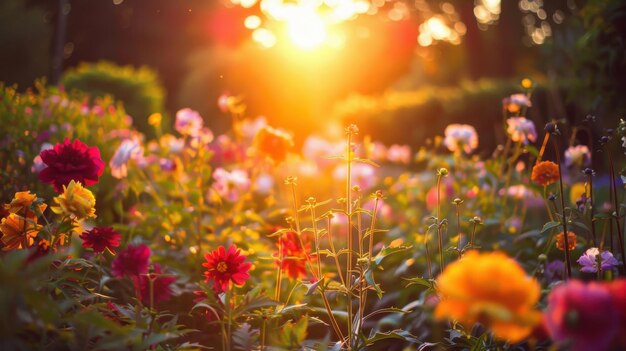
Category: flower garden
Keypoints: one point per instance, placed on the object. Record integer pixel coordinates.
(166, 234)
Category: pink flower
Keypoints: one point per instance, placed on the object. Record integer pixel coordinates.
(363, 174)
(583, 315)
(188, 122)
(399, 154)
(230, 185)
(460, 137)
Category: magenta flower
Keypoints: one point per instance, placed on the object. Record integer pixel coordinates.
(589, 262)
(131, 262)
(582, 316)
(69, 161)
(101, 238)
(161, 286)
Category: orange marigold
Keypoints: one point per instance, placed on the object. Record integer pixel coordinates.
(274, 143)
(545, 173)
(17, 232)
(492, 289)
(571, 241)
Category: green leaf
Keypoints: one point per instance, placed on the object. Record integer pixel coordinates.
(549, 226)
(369, 278)
(394, 334)
(386, 251)
(245, 338)
(428, 283)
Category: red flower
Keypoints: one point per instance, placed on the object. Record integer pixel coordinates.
(294, 256)
(225, 266)
(71, 161)
(100, 239)
(275, 143)
(161, 288)
(583, 315)
(131, 262)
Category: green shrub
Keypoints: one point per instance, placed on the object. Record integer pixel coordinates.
(138, 89)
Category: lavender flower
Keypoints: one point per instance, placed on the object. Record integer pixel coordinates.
(188, 122)
(589, 263)
(521, 129)
(130, 149)
(515, 102)
(578, 155)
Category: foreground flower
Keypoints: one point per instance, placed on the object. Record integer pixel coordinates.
(75, 201)
(545, 173)
(130, 149)
(71, 161)
(583, 315)
(131, 262)
(294, 256)
(460, 137)
(578, 156)
(571, 241)
(18, 232)
(225, 266)
(101, 238)
(161, 286)
(617, 288)
(521, 130)
(188, 122)
(589, 261)
(491, 289)
(274, 143)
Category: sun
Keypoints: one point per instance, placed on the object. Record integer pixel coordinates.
(307, 30)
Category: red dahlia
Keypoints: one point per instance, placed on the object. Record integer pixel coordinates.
(225, 266)
(71, 161)
(161, 289)
(131, 262)
(100, 239)
(294, 256)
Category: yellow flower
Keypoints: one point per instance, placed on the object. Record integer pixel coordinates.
(21, 202)
(492, 289)
(17, 232)
(155, 119)
(75, 201)
(527, 83)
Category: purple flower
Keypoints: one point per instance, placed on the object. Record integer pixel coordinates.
(589, 262)
(554, 270)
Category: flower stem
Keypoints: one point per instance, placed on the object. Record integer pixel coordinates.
(439, 234)
(563, 219)
(620, 234)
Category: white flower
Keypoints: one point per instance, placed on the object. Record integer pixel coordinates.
(578, 155)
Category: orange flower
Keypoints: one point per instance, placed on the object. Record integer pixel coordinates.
(545, 173)
(492, 289)
(17, 232)
(23, 200)
(571, 241)
(275, 143)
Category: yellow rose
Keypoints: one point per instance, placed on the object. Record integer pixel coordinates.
(76, 201)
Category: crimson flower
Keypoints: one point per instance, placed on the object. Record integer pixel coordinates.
(582, 315)
(100, 239)
(131, 262)
(161, 289)
(617, 289)
(71, 161)
(226, 266)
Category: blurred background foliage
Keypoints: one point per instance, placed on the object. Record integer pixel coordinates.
(201, 49)
(139, 89)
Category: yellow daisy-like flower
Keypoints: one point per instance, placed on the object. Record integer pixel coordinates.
(491, 289)
(75, 201)
(21, 202)
(17, 232)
